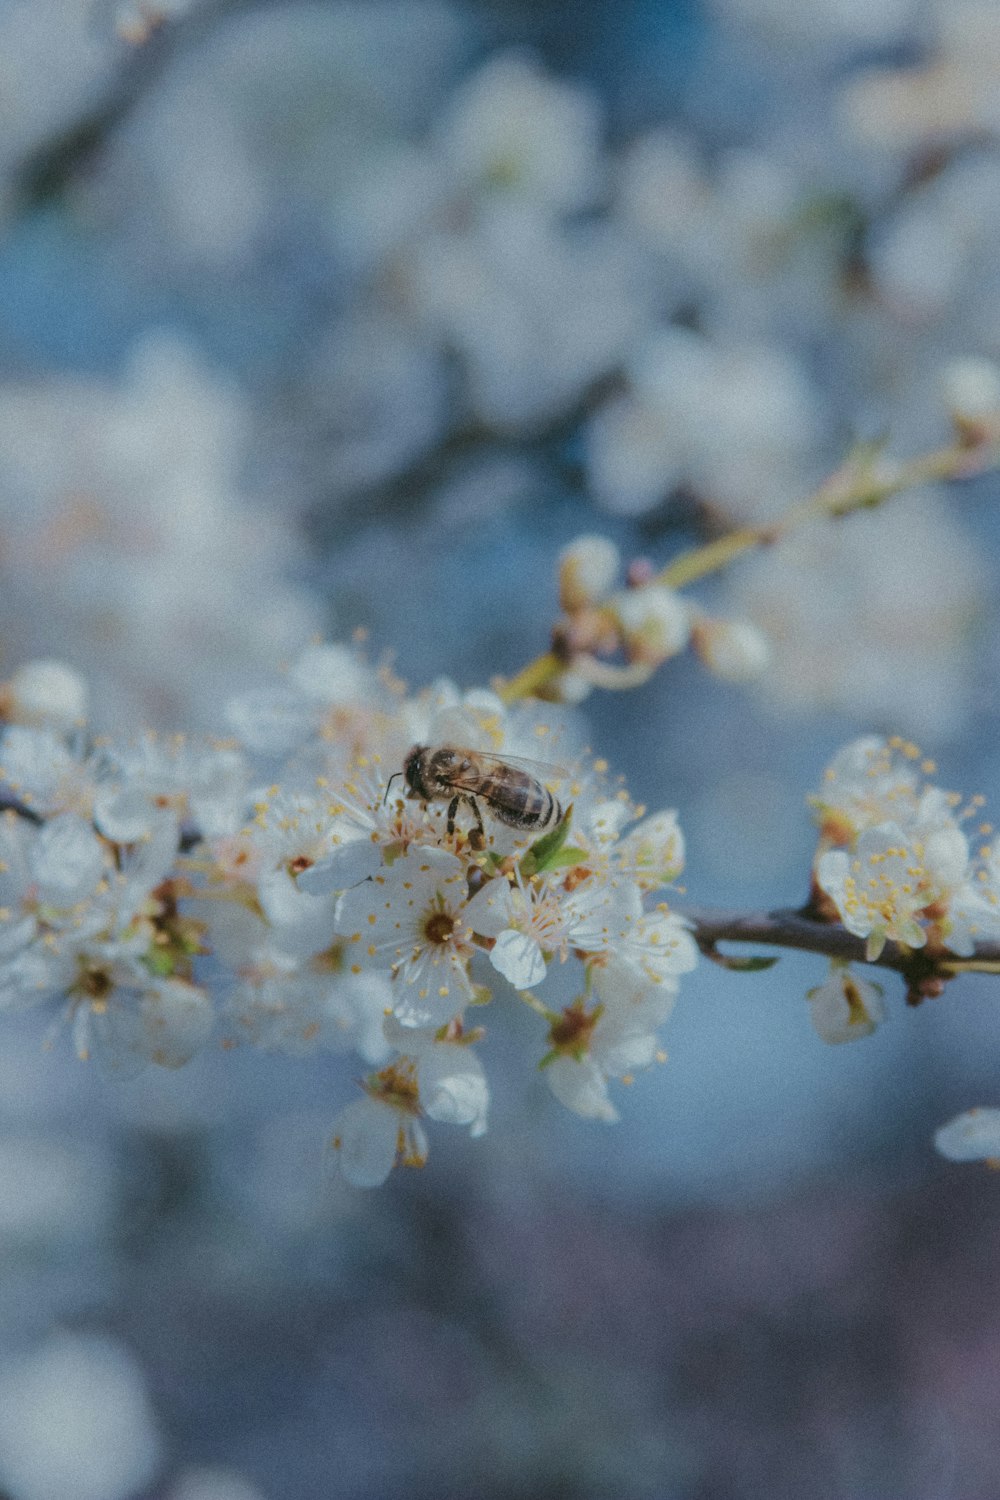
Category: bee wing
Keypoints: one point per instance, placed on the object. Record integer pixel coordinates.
(494, 766)
(545, 770)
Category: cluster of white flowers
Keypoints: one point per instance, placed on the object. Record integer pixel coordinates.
(894, 860)
(126, 525)
(328, 908)
(363, 870)
(895, 864)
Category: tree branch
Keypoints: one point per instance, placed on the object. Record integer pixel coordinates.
(924, 971)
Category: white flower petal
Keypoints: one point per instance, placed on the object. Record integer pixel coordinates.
(347, 865)
(628, 1053)
(67, 861)
(491, 910)
(845, 1007)
(431, 1005)
(582, 1087)
(273, 721)
(364, 1140)
(123, 814)
(517, 956)
(176, 1020)
(330, 674)
(653, 853)
(453, 1087)
(299, 919)
(49, 692)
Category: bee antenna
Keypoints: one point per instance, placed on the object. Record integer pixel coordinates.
(394, 777)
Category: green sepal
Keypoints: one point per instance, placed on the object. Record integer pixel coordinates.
(543, 852)
(160, 961)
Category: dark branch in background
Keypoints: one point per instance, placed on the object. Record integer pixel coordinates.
(413, 485)
(11, 804)
(50, 167)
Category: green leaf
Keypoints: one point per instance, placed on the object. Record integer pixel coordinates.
(753, 965)
(543, 852)
(566, 858)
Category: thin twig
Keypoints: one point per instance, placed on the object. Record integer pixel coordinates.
(864, 480)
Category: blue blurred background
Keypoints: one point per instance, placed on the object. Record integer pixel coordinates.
(316, 316)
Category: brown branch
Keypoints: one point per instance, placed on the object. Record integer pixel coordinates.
(925, 971)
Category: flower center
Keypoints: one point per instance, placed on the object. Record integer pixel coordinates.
(397, 1085)
(572, 1031)
(94, 983)
(439, 927)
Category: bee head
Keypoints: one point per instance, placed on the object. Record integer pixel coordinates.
(411, 767)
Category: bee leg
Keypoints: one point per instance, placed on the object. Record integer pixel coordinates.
(452, 810)
(477, 838)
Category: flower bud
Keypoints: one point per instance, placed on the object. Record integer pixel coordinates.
(588, 568)
(845, 1008)
(47, 692)
(654, 622)
(971, 389)
(572, 687)
(734, 650)
(972, 1136)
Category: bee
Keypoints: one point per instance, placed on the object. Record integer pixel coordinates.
(508, 786)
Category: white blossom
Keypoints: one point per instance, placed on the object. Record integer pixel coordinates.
(374, 1133)
(844, 1007)
(450, 1079)
(512, 130)
(298, 1008)
(652, 853)
(581, 1086)
(531, 922)
(879, 889)
(411, 919)
(904, 867)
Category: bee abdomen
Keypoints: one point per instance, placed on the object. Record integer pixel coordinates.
(535, 808)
